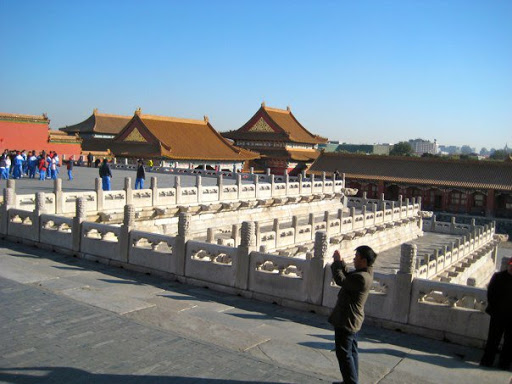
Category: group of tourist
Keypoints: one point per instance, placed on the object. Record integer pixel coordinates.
(19, 164)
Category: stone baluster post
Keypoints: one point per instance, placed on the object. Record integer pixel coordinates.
(154, 191)
(324, 179)
(177, 186)
(353, 216)
(364, 200)
(59, 198)
(392, 210)
(77, 224)
(400, 205)
(311, 222)
(99, 194)
(436, 258)
(247, 245)
(363, 208)
(210, 235)
(199, 186)
(382, 202)
(300, 184)
(11, 183)
(127, 226)
(257, 231)
(406, 207)
(235, 234)
(433, 223)
(275, 228)
(456, 246)
(239, 186)
(128, 190)
(453, 225)
(419, 202)
(465, 240)
(374, 211)
(256, 187)
(272, 185)
(340, 218)
(184, 234)
(327, 221)
(220, 185)
(314, 280)
(36, 217)
(295, 226)
(9, 202)
(426, 259)
(403, 286)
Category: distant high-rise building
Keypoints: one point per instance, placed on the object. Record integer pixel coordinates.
(420, 146)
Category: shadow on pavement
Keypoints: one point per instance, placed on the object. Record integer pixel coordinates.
(42, 375)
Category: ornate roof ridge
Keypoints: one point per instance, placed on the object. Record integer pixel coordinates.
(288, 111)
(420, 159)
(96, 113)
(174, 119)
(42, 117)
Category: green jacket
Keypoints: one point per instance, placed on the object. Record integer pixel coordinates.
(348, 313)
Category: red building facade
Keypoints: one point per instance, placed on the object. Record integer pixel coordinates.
(29, 132)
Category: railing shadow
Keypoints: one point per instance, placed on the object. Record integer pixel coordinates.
(43, 375)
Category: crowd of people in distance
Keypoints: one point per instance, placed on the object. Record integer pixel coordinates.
(19, 164)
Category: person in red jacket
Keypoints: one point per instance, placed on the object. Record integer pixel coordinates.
(42, 166)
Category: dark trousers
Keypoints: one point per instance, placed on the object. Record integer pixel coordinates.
(348, 357)
(498, 327)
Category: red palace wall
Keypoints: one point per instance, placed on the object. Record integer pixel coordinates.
(31, 136)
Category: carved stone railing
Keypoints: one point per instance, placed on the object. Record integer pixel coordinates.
(56, 230)
(213, 263)
(340, 227)
(428, 307)
(467, 248)
(101, 240)
(23, 224)
(61, 202)
(449, 308)
(152, 251)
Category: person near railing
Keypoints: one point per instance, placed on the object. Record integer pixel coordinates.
(348, 314)
(499, 299)
(69, 167)
(106, 175)
(141, 175)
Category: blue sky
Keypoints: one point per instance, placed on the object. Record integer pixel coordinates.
(356, 71)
